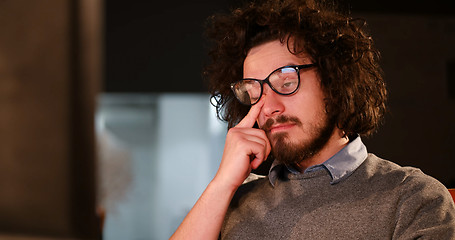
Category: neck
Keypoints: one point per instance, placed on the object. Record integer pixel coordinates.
(335, 143)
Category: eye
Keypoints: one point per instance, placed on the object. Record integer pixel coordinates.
(289, 84)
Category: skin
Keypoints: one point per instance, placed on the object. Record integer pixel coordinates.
(246, 147)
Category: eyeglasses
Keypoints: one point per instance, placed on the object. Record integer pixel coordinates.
(284, 81)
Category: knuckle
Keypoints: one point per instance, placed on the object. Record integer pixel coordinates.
(232, 131)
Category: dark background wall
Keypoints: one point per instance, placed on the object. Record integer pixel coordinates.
(153, 48)
(148, 43)
(156, 46)
(417, 53)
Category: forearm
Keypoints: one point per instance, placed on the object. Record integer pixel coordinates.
(205, 219)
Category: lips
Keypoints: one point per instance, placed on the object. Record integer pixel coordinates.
(281, 123)
(280, 127)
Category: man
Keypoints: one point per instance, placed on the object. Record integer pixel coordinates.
(308, 78)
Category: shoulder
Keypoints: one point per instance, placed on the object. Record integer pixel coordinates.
(412, 187)
(396, 183)
(387, 172)
(423, 205)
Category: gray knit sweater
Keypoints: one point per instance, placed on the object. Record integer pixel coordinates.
(380, 200)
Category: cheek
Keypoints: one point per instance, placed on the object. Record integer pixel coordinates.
(310, 101)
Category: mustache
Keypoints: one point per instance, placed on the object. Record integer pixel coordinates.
(280, 119)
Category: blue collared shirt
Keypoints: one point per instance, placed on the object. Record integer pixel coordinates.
(340, 166)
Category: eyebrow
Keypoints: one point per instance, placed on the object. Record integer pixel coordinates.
(290, 64)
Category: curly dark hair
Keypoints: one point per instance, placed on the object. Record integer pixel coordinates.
(346, 58)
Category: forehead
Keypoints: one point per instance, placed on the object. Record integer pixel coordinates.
(263, 59)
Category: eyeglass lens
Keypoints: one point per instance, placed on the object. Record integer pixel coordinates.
(283, 80)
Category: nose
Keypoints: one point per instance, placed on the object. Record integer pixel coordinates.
(273, 104)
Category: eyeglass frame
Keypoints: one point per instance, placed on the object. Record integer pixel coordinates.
(266, 80)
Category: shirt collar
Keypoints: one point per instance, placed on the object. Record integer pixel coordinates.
(340, 166)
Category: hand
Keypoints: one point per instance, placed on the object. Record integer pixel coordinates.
(245, 149)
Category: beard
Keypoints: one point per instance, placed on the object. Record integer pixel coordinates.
(288, 152)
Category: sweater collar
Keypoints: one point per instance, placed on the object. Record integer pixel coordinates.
(340, 166)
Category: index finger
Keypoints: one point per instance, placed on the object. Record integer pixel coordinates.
(250, 118)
